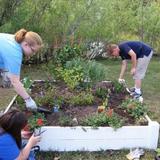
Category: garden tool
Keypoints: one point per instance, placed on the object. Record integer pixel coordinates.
(140, 99)
(43, 110)
(123, 82)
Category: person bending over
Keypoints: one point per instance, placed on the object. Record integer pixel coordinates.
(12, 49)
(140, 54)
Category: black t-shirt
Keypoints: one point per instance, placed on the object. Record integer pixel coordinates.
(138, 47)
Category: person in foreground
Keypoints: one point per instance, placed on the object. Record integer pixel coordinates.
(11, 53)
(11, 124)
(140, 54)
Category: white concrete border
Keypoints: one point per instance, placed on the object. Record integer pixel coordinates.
(103, 138)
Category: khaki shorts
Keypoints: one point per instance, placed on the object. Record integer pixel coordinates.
(142, 64)
(5, 81)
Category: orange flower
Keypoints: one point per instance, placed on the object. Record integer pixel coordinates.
(109, 113)
(40, 122)
(101, 109)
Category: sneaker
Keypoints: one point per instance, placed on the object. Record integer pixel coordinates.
(135, 95)
(132, 89)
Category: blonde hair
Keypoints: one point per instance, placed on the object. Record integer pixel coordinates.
(32, 38)
(110, 48)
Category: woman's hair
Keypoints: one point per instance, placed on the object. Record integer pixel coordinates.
(13, 122)
(110, 48)
(32, 38)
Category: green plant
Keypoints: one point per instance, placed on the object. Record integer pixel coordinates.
(95, 120)
(101, 92)
(36, 121)
(102, 119)
(67, 53)
(72, 77)
(82, 99)
(65, 120)
(27, 82)
(20, 102)
(115, 121)
(118, 87)
(158, 152)
(47, 98)
(95, 71)
(134, 108)
(92, 70)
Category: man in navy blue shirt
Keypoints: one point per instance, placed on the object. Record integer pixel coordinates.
(140, 54)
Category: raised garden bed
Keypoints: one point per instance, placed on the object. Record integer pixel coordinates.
(68, 130)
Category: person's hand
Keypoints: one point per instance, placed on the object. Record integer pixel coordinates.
(31, 104)
(34, 140)
(133, 71)
(121, 81)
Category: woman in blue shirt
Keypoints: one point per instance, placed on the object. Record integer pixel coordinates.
(11, 124)
(11, 53)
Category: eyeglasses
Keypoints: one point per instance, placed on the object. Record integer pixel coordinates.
(32, 49)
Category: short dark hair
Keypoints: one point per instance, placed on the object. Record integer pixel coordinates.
(12, 122)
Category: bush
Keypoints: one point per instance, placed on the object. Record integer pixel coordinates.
(134, 108)
(67, 53)
(82, 99)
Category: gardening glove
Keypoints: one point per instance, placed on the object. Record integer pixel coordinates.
(121, 81)
(30, 104)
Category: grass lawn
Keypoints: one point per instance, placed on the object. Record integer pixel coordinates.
(151, 95)
(103, 155)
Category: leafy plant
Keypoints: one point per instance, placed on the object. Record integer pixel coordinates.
(95, 120)
(27, 82)
(67, 53)
(72, 77)
(118, 87)
(36, 121)
(158, 152)
(92, 70)
(65, 120)
(46, 99)
(82, 99)
(134, 108)
(20, 102)
(102, 119)
(101, 93)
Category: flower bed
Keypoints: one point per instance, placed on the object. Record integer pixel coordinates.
(115, 109)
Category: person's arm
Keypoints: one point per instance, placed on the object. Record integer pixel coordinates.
(123, 69)
(24, 154)
(18, 86)
(133, 60)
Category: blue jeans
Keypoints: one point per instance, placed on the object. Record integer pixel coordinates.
(32, 153)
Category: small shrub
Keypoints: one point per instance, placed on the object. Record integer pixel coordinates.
(67, 53)
(46, 99)
(72, 77)
(102, 119)
(101, 93)
(82, 99)
(134, 108)
(65, 120)
(35, 121)
(92, 70)
(118, 87)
